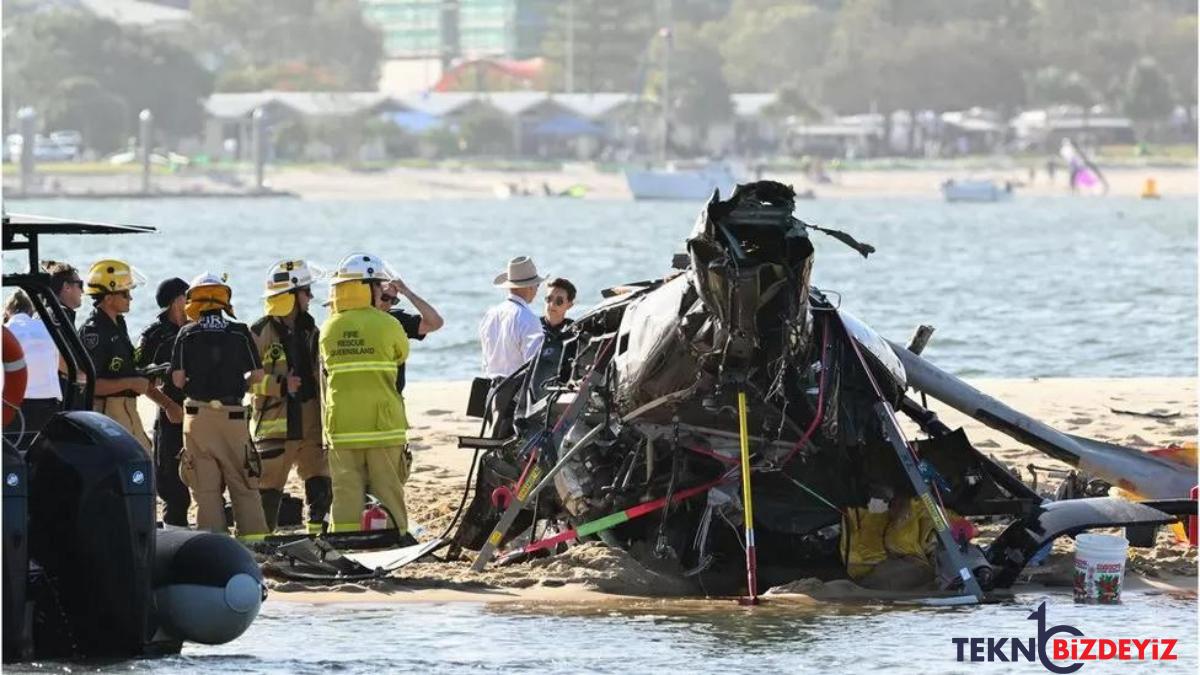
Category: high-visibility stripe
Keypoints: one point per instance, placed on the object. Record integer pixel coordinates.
(252, 537)
(362, 367)
(316, 528)
(271, 426)
(345, 527)
(398, 434)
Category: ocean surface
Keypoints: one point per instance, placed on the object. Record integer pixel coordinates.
(714, 636)
(1037, 287)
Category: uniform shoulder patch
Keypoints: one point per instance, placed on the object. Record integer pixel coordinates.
(91, 340)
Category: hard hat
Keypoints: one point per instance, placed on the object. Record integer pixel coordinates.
(208, 279)
(208, 292)
(362, 267)
(112, 276)
(289, 275)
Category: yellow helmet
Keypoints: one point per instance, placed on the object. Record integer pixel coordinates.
(112, 276)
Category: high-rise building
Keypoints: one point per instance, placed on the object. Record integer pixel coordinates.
(452, 29)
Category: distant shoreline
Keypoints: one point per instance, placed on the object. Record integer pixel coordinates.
(321, 182)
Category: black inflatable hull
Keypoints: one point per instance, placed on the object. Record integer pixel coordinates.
(96, 576)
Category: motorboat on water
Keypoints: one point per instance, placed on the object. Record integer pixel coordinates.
(977, 190)
(678, 181)
(88, 572)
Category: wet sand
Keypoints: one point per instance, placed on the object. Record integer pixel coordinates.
(592, 572)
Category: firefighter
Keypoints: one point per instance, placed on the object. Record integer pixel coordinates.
(365, 424)
(285, 420)
(214, 362)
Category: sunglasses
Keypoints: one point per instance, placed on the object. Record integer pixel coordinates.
(556, 300)
(124, 294)
(78, 283)
(389, 299)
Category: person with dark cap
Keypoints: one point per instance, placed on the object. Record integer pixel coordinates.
(154, 348)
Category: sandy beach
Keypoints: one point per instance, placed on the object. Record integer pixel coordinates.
(592, 572)
(339, 183)
(404, 183)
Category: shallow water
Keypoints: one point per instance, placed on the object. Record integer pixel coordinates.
(1052, 286)
(660, 637)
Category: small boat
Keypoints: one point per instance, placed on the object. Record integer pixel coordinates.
(511, 190)
(976, 191)
(87, 572)
(678, 182)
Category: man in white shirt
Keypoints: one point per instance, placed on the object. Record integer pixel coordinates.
(43, 393)
(511, 333)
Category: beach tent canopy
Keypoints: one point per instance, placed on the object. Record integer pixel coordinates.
(414, 121)
(566, 125)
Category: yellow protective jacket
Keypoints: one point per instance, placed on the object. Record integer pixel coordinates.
(361, 349)
(268, 419)
(870, 538)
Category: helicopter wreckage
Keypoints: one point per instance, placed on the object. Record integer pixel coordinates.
(728, 417)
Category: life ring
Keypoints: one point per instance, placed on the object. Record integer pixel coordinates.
(16, 376)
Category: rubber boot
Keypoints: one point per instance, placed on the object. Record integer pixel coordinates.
(270, 502)
(318, 494)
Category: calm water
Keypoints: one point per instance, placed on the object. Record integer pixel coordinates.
(650, 637)
(1036, 287)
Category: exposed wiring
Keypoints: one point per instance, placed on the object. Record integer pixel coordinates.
(820, 410)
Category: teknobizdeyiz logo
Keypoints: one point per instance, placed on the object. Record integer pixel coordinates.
(1062, 648)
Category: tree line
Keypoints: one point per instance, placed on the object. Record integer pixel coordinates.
(853, 56)
(83, 72)
(821, 56)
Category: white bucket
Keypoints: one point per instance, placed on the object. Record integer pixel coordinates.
(1099, 567)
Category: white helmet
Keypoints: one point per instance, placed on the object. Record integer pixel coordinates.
(208, 279)
(289, 275)
(362, 267)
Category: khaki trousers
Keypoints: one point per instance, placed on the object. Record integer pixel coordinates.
(306, 454)
(217, 455)
(123, 410)
(382, 471)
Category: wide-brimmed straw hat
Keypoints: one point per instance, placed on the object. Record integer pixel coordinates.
(522, 273)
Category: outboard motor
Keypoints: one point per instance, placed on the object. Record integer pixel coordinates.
(207, 587)
(16, 554)
(92, 533)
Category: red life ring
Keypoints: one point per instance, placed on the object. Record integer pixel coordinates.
(16, 376)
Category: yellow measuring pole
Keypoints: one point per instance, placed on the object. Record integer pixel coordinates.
(747, 498)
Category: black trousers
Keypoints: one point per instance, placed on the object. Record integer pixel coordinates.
(168, 442)
(35, 412)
